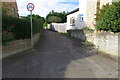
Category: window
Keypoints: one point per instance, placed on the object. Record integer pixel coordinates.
(72, 20)
(81, 17)
(13, 11)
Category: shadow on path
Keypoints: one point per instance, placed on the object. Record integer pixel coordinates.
(57, 56)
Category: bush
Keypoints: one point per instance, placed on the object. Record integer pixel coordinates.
(108, 18)
(22, 29)
(38, 22)
(15, 28)
(19, 27)
(45, 24)
(8, 37)
(37, 25)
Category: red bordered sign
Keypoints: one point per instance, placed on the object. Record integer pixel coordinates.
(30, 7)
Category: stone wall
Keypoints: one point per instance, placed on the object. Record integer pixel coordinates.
(105, 41)
(36, 38)
(17, 46)
(59, 27)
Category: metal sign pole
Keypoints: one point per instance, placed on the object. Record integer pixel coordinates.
(31, 30)
(30, 7)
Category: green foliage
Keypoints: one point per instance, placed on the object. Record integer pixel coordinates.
(38, 22)
(61, 15)
(54, 19)
(45, 24)
(8, 37)
(108, 18)
(37, 25)
(22, 29)
(19, 27)
(15, 28)
(87, 28)
(4, 11)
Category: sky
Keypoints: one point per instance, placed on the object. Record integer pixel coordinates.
(43, 7)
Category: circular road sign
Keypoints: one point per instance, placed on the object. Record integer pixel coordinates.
(30, 7)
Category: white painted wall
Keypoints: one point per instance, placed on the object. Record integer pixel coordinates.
(83, 8)
(78, 24)
(59, 27)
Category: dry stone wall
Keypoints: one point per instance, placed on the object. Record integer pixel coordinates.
(108, 42)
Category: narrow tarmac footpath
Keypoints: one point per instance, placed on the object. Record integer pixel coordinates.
(58, 56)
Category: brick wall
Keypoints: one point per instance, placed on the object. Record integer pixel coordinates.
(10, 6)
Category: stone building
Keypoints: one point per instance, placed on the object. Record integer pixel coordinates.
(10, 8)
(89, 8)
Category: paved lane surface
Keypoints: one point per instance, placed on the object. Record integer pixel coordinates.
(57, 56)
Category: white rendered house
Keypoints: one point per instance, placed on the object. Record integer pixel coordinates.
(75, 20)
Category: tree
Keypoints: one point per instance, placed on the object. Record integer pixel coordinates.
(54, 19)
(35, 16)
(61, 15)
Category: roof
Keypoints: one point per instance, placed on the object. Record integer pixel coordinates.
(73, 11)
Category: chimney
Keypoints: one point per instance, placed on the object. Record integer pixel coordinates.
(52, 11)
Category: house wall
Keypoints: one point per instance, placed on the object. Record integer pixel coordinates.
(90, 13)
(83, 8)
(104, 2)
(8, 0)
(78, 24)
(89, 8)
(9, 6)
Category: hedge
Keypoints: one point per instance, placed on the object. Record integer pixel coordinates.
(19, 27)
(37, 25)
(14, 28)
(108, 18)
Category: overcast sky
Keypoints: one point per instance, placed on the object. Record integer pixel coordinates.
(43, 7)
